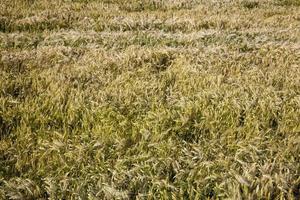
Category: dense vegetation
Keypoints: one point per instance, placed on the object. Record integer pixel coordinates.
(149, 99)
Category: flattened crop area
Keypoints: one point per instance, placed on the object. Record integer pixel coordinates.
(149, 99)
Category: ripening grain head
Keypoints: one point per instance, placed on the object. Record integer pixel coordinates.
(184, 99)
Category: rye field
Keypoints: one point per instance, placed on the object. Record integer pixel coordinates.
(149, 99)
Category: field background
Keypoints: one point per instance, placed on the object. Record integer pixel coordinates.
(138, 99)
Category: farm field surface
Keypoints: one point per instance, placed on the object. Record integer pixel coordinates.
(149, 99)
